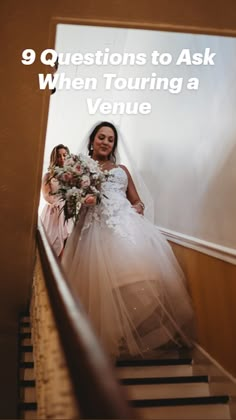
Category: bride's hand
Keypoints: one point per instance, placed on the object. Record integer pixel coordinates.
(90, 200)
(139, 207)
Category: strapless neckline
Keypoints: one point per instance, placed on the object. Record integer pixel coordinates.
(116, 167)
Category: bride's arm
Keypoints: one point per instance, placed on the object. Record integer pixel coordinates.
(132, 194)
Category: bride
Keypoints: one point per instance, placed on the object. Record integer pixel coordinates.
(121, 268)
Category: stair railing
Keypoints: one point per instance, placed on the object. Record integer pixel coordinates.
(97, 392)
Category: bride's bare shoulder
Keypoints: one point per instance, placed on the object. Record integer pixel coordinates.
(125, 169)
(127, 172)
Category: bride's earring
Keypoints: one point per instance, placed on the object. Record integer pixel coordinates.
(91, 148)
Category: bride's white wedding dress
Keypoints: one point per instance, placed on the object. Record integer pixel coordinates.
(125, 274)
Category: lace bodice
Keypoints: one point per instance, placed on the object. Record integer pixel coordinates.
(114, 205)
(116, 183)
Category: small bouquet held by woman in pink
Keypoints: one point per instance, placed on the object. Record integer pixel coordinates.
(79, 183)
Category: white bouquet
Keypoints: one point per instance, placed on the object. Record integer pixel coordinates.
(79, 183)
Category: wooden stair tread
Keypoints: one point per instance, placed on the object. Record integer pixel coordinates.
(26, 349)
(186, 412)
(27, 406)
(26, 365)
(157, 402)
(153, 362)
(29, 383)
(24, 335)
(165, 380)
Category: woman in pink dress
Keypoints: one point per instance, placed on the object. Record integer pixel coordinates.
(52, 216)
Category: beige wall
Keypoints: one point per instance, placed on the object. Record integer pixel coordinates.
(185, 147)
(213, 288)
(23, 122)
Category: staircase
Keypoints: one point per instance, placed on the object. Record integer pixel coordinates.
(173, 385)
(177, 386)
(27, 408)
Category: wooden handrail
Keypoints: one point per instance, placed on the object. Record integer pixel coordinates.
(97, 391)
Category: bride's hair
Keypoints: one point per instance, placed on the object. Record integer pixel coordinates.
(112, 156)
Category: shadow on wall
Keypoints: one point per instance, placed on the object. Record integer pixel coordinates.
(217, 212)
(194, 188)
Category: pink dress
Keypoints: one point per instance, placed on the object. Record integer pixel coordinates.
(52, 216)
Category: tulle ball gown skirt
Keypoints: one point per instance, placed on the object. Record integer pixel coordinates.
(123, 271)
